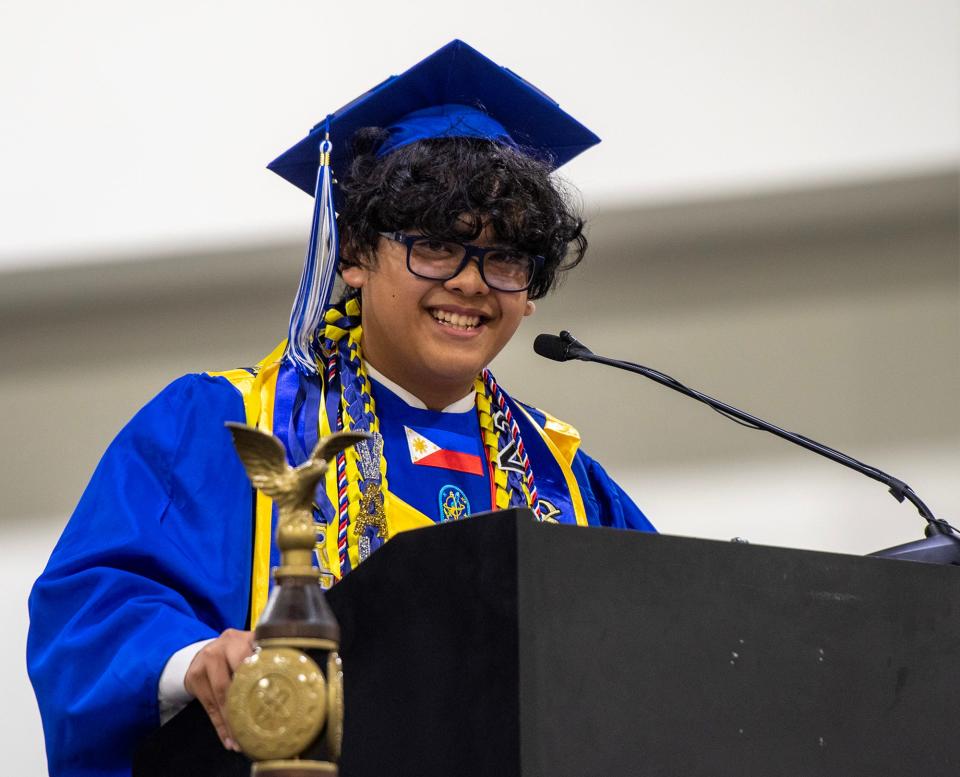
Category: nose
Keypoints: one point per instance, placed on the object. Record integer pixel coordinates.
(468, 281)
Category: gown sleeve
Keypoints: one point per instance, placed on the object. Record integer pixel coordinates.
(605, 502)
(156, 556)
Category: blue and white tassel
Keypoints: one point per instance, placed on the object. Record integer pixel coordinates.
(319, 272)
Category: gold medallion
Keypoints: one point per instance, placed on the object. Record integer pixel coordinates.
(334, 705)
(277, 703)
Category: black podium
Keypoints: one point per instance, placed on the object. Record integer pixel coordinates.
(498, 646)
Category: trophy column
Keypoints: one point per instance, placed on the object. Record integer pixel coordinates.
(285, 703)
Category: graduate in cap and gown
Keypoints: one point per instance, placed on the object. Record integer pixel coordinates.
(445, 225)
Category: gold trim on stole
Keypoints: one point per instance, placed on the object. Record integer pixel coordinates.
(258, 392)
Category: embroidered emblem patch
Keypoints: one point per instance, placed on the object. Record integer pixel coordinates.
(371, 451)
(371, 512)
(508, 458)
(500, 422)
(363, 547)
(547, 511)
(454, 504)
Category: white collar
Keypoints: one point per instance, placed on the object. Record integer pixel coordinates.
(460, 406)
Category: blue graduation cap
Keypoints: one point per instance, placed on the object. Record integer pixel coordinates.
(455, 92)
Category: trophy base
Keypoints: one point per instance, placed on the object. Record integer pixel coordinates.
(294, 768)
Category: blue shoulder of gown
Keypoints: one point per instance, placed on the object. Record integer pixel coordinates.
(155, 557)
(606, 504)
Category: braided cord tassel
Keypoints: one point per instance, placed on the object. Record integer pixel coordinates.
(342, 514)
(337, 324)
(366, 479)
(491, 442)
(528, 484)
(319, 271)
(353, 420)
(358, 392)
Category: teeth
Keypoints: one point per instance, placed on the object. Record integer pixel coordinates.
(455, 319)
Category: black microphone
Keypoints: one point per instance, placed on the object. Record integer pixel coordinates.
(567, 347)
(562, 348)
(552, 347)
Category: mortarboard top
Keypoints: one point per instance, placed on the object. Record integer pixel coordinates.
(455, 75)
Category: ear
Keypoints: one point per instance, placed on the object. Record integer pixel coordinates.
(531, 308)
(355, 276)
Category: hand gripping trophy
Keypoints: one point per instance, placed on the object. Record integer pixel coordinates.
(285, 704)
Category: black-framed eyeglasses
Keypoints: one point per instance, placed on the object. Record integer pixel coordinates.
(503, 269)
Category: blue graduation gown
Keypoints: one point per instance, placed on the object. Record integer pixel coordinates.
(156, 556)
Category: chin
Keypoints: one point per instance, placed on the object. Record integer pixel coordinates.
(457, 371)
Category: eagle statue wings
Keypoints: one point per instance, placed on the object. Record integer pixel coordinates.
(292, 488)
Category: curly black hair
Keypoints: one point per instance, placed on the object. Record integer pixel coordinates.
(451, 188)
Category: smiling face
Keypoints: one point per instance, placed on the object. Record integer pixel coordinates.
(432, 337)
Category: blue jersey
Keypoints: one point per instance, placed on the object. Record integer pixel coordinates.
(436, 462)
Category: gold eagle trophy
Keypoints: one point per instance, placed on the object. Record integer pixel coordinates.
(285, 703)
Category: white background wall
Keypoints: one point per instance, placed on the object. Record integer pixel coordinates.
(130, 123)
(138, 134)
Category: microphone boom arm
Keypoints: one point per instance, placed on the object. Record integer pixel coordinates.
(574, 349)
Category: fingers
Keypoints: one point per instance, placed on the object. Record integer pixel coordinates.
(218, 676)
(238, 647)
(216, 714)
(209, 674)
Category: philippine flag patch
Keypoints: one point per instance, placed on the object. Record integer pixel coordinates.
(443, 450)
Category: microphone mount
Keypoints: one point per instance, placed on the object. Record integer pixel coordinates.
(574, 349)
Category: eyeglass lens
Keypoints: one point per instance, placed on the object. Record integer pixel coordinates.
(503, 269)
